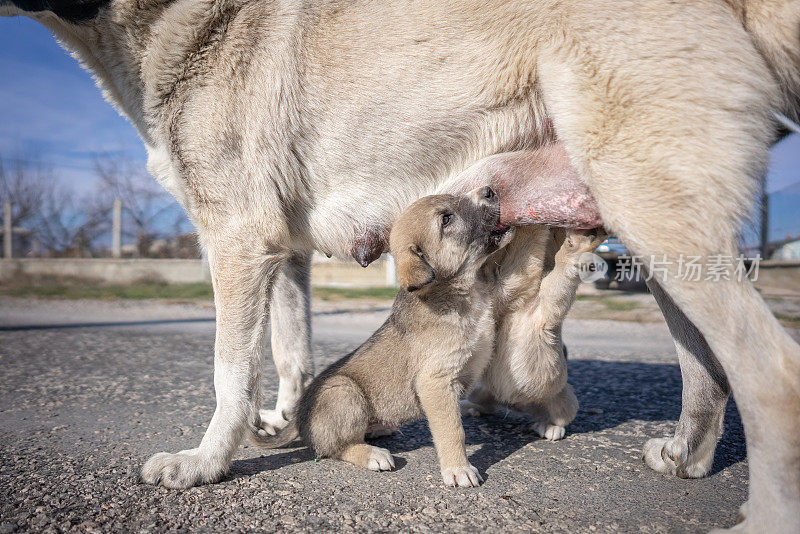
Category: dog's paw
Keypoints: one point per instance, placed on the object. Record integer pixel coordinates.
(671, 457)
(464, 476)
(271, 422)
(379, 459)
(182, 470)
(548, 431)
(470, 409)
(577, 242)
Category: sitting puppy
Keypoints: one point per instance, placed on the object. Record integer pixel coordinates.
(435, 344)
(535, 280)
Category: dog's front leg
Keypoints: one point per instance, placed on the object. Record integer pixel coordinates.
(242, 274)
(439, 399)
(290, 319)
(690, 453)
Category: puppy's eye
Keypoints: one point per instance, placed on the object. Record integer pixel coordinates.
(446, 218)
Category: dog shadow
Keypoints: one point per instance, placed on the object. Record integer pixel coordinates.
(610, 394)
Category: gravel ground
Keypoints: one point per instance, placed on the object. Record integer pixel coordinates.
(90, 389)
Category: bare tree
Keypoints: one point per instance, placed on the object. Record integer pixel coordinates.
(23, 181)
(59, 220)
(70, 225)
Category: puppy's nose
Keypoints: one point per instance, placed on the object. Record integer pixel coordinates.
(484, 193)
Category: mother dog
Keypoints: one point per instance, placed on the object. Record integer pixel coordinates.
(284, 127)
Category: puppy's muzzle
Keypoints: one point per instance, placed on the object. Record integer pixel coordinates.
(485, 197)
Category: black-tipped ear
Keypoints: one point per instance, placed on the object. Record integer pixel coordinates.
(413, 271)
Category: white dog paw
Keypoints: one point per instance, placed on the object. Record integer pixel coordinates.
(182, 470)
(549, 432)
(671, 457)
(271, 422)
(379, 459)
(464, 476)
(658, 459)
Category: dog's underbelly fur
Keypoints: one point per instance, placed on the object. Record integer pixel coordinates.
(305, 172)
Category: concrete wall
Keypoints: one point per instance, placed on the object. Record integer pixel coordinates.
(324, 272)
(780, 276)
(117, 271)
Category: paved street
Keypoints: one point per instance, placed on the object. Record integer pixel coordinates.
(90, 389)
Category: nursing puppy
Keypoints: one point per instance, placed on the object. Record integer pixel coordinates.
(535, 280)
(433, 347)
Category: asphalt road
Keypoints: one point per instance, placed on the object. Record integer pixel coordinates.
(90, 389)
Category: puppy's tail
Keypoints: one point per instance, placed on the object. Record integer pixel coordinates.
(285, 436)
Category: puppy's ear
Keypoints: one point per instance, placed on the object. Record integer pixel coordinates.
(413, 271)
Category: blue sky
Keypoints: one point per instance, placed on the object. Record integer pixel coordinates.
(52, 109)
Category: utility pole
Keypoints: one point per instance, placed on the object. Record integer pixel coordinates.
(116, 239)
(8, 236)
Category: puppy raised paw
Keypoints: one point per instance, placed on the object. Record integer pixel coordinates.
(580, 241)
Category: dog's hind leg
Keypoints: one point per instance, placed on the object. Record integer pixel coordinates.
(671, 140)
(690, 453)
(290, 320)
(242, 274)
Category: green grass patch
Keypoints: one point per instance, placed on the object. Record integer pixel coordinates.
(68, 288)
(792, 319)
(611, 303)
(344, 293)
(135, 291)
(618, 305)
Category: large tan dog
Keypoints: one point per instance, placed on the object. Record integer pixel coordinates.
(284, 127)
(434, 345)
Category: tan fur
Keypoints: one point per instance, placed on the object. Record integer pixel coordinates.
(434, 345)
(536, 281)
(284, 127)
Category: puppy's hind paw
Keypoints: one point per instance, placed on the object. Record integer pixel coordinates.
(379, 460)
(464, 476)
(548, 431)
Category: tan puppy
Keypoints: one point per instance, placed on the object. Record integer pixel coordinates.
(434, 345)
(536, 277)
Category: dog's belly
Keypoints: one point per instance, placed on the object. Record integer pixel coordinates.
(535, 187)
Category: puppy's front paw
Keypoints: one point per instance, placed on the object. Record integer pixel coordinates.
(464, 476)
(182, 470)
(549, 432)
(580, 241)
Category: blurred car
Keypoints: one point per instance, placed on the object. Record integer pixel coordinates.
(611, 250)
